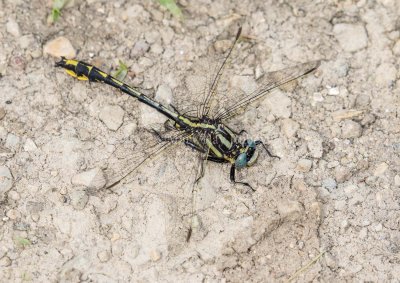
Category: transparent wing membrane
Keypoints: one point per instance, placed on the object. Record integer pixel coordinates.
(238, 100)
(124, 162)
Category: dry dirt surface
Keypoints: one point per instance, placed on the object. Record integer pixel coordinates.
(326, 211)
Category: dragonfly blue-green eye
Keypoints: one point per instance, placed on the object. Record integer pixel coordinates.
(241, 160)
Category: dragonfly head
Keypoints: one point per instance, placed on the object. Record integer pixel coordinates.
(248, 156)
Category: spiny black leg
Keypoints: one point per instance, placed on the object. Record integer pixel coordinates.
(168, 126)
(174, 108)
(201, 175)
(266, 149)
(232, 177)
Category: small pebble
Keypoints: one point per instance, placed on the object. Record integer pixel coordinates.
(316, 207)
(12, 141)
(314, 145)
(60, 46)
(330, 260)
(26, 41)
(104, 256)
(378, 227)
(5, 261)
(329, 184)
(140, 48)
(290, 127)
(13, 214)
(351, 129)
(93, 178)
(342, 174)
(333, 90)
(155, 255)
(397, 180)
(112, 116)
(221, 46)
(332, 164)
(344, 224)
(164, 94)
(12, 28)
(152, 36)
(380, 169)
(30, 145)
(351, 37)
(14, 195)
(304, 165)
(79, 199)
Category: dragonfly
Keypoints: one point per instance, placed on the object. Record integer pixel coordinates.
(204, 128)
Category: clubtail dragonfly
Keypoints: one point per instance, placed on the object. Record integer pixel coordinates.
(206, 131)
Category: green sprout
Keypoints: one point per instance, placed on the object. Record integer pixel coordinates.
(22, 242)
(56, 10)
(121, 72)
(172, 7)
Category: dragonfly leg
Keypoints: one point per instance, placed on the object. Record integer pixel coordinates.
(232, 177)
(266, 149)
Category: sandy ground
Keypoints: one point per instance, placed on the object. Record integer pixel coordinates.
(327, 211)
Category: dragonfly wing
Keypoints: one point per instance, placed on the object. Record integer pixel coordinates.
(125, 161)
(238, 101)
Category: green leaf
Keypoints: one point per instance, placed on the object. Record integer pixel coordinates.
(172, 7)
(22, 242)
(56, 10)
(121, 72)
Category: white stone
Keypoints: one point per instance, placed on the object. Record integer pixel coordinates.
(104, 256)
(351, 37)
(79, 199)
(351, 129)
(93, 178)
(381, 169)
(397, 180)
(333, 90)
(12, 28)
(164, 95)
(12, 141)
(30, 145)
(112, 116)
(60, 46)
(155, 255)
(314, 145)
